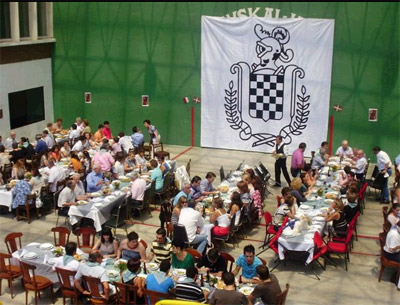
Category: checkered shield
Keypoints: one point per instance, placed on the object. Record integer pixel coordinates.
(266, 96)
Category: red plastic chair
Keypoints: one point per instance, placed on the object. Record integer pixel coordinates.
(269, 228)
(273, 244)
(352, 226)
(342, 248)
(361, 196)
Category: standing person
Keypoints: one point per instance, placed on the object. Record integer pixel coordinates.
(360, 165)
(385, 168)
(12, 139)
(19, 193)
(280, 163)
(155, 136)
(298, 160)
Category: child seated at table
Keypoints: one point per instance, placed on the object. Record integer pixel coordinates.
(285, 209)
(352, 206)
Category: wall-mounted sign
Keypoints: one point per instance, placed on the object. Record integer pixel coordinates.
(373, 115)
(145, 101)
(88, 97)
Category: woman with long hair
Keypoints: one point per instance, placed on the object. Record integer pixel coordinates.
(107, 245)
(182, 202)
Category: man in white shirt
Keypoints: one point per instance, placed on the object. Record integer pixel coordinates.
(67, 261)
(92, 268)
(80, 144)
(56, 174)
(66, 198)
(193, 222)
(345, 150)
(49, 140)
(12, 139)
(360, 164)
(74, 132)
(385, 168)
(125, 142)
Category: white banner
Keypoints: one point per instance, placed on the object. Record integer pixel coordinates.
(262, 78)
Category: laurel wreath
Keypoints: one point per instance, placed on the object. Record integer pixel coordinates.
(236, 122)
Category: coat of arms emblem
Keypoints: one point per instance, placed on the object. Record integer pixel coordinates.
(268, 92)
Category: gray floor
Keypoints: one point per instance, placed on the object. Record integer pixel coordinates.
(359, 285)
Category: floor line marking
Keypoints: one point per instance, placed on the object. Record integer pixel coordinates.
(184, 152)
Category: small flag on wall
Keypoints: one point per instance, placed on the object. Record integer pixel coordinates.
(186, 100)
(88, 97)
(145, 101)
(197, 100)
(337, 108)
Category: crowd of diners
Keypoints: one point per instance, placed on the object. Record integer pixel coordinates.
(116, 156)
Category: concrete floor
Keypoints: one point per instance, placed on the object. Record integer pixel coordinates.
(359, 285)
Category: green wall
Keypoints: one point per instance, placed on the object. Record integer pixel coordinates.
(119, 51)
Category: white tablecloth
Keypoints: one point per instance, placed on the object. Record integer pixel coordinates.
(6, 198)
(98, 209)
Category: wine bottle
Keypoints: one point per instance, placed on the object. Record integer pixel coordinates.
(208, 276)
(201, 280)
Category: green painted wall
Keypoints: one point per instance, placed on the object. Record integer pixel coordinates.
(119, 51)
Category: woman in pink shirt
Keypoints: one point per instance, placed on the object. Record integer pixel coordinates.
(106, 130)
(103, 158)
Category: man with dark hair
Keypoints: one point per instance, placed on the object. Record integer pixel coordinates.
(188, 290)
(106, 130)
(16, 153)
(385, 168)
(212, 262)
(131, 248)
(155, 136)
(268, 287)
(41, 146)
(281, 151)
(228, 295)
(137, 137)
(74, 133)
(159, 280)
(249, 262)
(92, 268)
(27, 148)
(195, 191)
(298, 160)
(206, 187)
(67, 261)
(48, 139)
(161, 247)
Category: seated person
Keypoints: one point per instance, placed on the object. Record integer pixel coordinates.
(161, 248)
(188, 289)
(195, 192)
(159, 280)
(235, 207)
(130, 277)
(139, 157)
(206, 187)
(221, 217)
(182, 203)
(185, 192)
(156, 175)
(309, 178)
(228, 295)
(132, 248)
(92, 268)
(106, 244)
(66, 198)
(249, 262)
(345, 150)
(19, 193)
(392, 245)
(267, 287)
(394, 215)
(336, 215)
(320, 160)
(295, 186)
(352, 207)
(287, 208)
(95, 180)
(164, 167)
(67, 261)
(180, 258)
(212, 262)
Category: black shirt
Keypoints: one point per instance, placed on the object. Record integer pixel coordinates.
(220, 264)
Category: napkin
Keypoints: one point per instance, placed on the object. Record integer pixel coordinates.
(45, 259)
(23, 253)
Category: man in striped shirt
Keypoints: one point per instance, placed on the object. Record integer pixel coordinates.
(161, 248)
(188, 289)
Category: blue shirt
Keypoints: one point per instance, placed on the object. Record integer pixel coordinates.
(92, 179)
(157, 176)
(248, 271)
(137, 139)
(206, 186)
(41, 147)
(163, 287)
(179, 195)
(19, 193)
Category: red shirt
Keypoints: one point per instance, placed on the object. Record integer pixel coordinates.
(107, 132)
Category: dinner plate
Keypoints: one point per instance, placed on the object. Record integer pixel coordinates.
(80, 202)
(94, 195)
(33, 245)
(30, 255)
(318, 218)
(246, 290)
(328, 200)
(46, 246)
(112, 273)
(179, 272)
(142, 275)
(144, 176)
(51, 261)
(152, 266)
(305, 207)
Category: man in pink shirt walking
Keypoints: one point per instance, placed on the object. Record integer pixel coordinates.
(298, 160)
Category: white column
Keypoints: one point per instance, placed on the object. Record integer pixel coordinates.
(33, 27)
(49, 19)
(14, 21)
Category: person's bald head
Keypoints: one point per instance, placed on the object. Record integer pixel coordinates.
(97, 168)
(13, 134)
(360, 153)
(345, 144)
